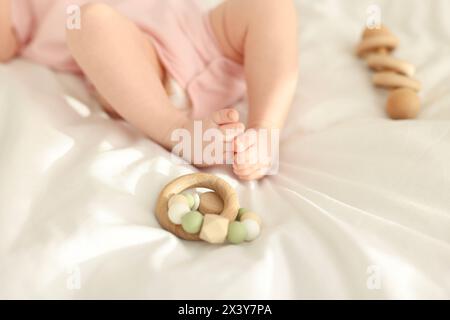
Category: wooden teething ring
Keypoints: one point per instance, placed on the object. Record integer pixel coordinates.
(195, 180)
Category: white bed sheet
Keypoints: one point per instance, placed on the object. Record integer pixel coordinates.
(359, 198)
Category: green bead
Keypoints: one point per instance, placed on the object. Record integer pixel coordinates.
(192, 222)
(190, 199)
(241, 212)
(237, 232)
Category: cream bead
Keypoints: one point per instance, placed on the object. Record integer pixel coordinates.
(195, 196)
(178, 198)
(253, 229)
(177, 211)
(249, 215)
(214, 229)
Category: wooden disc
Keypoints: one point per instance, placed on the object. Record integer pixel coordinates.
(210, 203)
(382, 62)
(195, 180)
(374, 32)
(373, 44)
(391, 80)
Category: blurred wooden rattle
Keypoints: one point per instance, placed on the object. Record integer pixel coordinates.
(391, 73)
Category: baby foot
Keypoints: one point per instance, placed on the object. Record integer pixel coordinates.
(253, 154)
(212, 138)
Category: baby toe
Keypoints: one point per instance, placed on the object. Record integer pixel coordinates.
(225, 116)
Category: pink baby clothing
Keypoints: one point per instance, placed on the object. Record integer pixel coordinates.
(180, 31)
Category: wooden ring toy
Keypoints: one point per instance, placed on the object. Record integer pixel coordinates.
(382, 62)
(391, 80)
(195, 180)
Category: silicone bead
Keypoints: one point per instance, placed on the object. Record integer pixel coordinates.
(178, 198)
(196, 197)
(241, 212)
(253, 229)
(190, 200)
(192, 222)
(252, 216)
(177, 211)
(236, 232)
(214, 229)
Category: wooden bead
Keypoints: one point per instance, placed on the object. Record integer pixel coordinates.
(214, 229)
(210, 203)
(403, 104)
(252, 216)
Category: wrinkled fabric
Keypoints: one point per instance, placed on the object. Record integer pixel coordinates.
(359, 209)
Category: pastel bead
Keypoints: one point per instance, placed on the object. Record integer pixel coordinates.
(214, 229)
(196, 197)
(252, 216)
(241, 212)
(210, 203)
(177, 198)
(190, 200)
(253, 229)
(177, 211)
(237, 232)
(192, 222)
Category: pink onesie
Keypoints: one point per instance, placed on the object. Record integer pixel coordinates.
(180, 31)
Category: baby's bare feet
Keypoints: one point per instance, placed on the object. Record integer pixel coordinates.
(253, 154)
(211, 139)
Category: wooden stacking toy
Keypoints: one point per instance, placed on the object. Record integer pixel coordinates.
(213, 216)
(391, 73)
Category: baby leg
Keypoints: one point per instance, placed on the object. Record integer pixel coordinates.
(122, 64)
(8, 40)
(261, 34)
